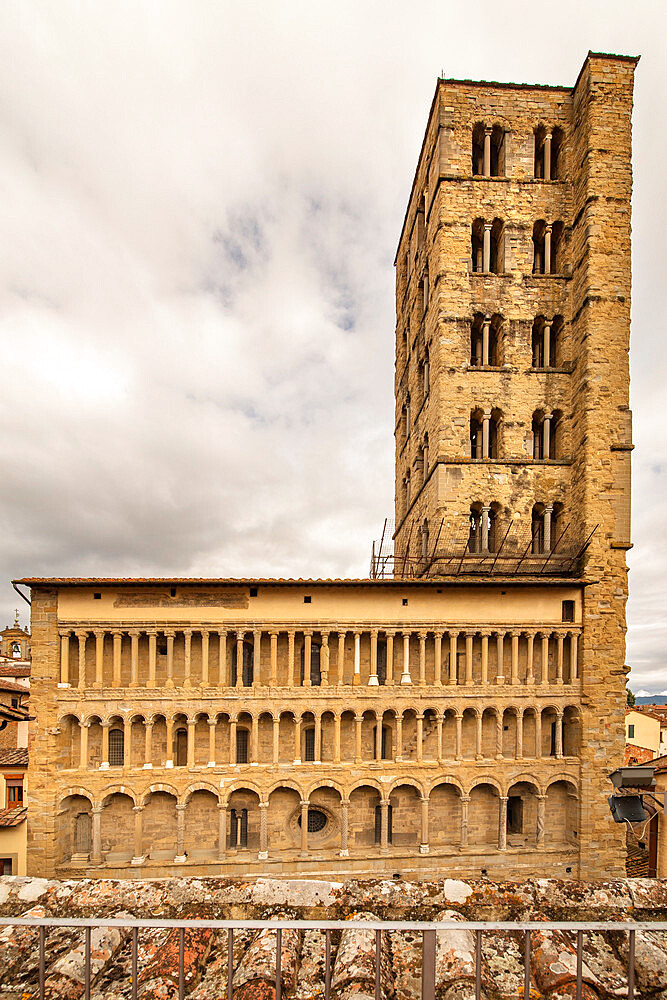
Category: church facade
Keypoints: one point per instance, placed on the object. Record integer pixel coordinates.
(460, 709)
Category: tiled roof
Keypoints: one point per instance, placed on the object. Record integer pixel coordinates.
(553, 966)
(14, 758)
(12, 670)
(431, 581)
(637, 755)
(12, 686)
(12, 817)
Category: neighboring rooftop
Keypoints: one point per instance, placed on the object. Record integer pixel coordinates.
(13, 817)
(14, 758)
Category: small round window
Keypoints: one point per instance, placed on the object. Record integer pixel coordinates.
(317, 820)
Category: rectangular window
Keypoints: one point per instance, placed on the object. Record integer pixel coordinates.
(14, 792)
(568, 611)
(5, 866)
(515, 814)
(631, 731)
(309, 745)
(241, 746)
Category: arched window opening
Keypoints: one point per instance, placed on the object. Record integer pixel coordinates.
(476, 434)
(488, 246)
(16, 650)
(545, 527)
(537, 518)
(181, 740)
(378, 824)
(309, 744)
(538, 435)
(242, 742)
(315, 671)
(547, 158)
(546, 427)
(485, 434)
(475, 532)
(539, 231)
(421, 223)
(547, 247)
(247, 674)
(482, 536)
(83, 833)
(406, 417)
(485, 341)
(488, 150)
(382, 661)
(515, 814)
(116, 748)
(425, 457)
(385, 743)
(425, 374)
(317, 820)
(477, 245)
(238, 828)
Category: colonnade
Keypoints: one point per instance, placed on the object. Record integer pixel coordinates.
(375, 656)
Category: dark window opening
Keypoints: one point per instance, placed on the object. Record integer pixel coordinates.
(161, 646)
(382, 661)
(181, 748)
(315, 671)
(378, 825)
(405, 601)
(307, 599)
(242, 746)
(631, 731)
(309, 745)
(385, 741)
(253, 591)
(14, 792)
(248, 665)
(568, 611)
(515, 814)
(317, 820)
(238, 828)
(97, 597)
(172, 592)
(6, 866)
(116, 748)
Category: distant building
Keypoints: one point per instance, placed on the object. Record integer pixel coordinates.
(645, 732)
(14, 695)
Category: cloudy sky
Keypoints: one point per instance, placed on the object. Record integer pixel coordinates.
(201, 203)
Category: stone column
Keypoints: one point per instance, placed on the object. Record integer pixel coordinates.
(180, 833)
(422, 658)
(486, 162)
(486, 332)
(170, 743)
(424, 846)
(437, 656)
(384, 826)
(469, 641)
(547, 156)
(104, 766)
(546, 436)
(273, 676)
(502, 822)
(399, 737)
(82, 635)
(486, 433)
(96, 853)
(544, 679)
(307, 652)
(560, 637)
(356, 680)
(420, 736)
(486, 248)
(440, 722)
(239, 659)
(453, 656)
(459, 735)
(148, 746)
(223, 679)
(170, 635)
(465, 800)
(546, 344)
(204, 657)
(212, 723)
(340, 665)
(541, 800)
(232, 742)
(222, 832)
(134, 656)
(530, 676)
(484, 529)
(574, 666)
(297, 739)
(191, 741)
(547, 250)
(336, 739)
(304, 827)
(358, 719)
(83, 744)
(263, 832)
(254, 753)
(548, 511)
(324, 659)
(99, 658)
(127, 742)
(290, 658)
(514, 676)
(187, 680)
(390, 657)
(276, 740)
(64, 658)
(257, 658)
(478, 735)
(485, 657)
(499, 735)
(405, 676)
(559, 734)
(538, 733)
(500, 640)
(344, 849)
(373, 680)
(138, 858)
(519, 734)
(318, 739)
(117, 655)
(152, 656)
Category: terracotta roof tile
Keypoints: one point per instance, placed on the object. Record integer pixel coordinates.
(13, 817)
(13, 686)
(11, 670)
(14, 758)
(432, 581)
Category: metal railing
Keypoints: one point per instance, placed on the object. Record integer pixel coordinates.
(428, 931)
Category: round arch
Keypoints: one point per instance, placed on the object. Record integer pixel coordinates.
(446, 779)
(417, 785)
(199, 786)
(525, 779)
(76, 790)
(325, 783)
(367, 783)
(159, 787)
(284, 783)
(567, 778)
(485, 779)
(117, 790)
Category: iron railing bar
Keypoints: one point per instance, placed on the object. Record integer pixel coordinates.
(42, 962)
(181, 963)
(428, 965)
(631, 965)
(378, 947)
(327, 964)
(279, 948)
(580, 945)
(135, 962)
(230, 963)
(362, 925)
(478, 965)
(526, 965)
(86, 988)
